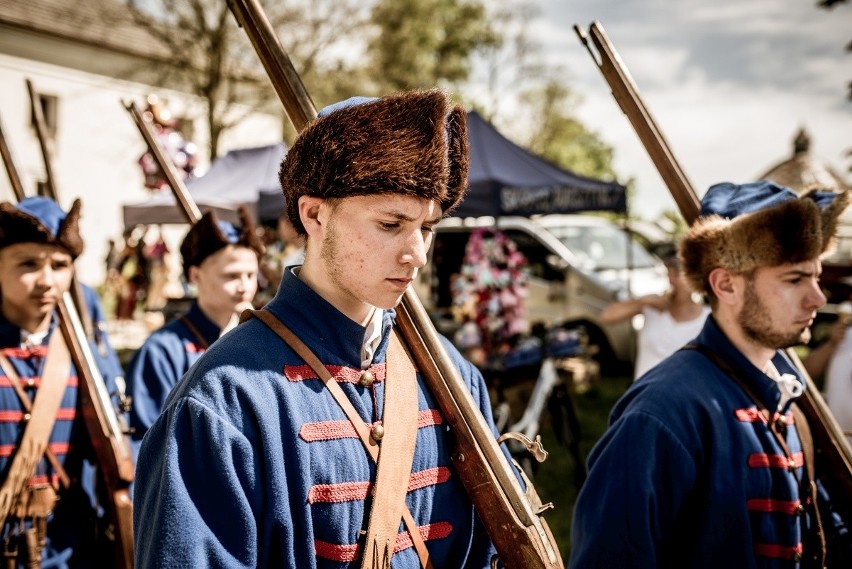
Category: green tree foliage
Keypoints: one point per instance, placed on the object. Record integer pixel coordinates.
(560, 137)
(423, 43)
(213, 59)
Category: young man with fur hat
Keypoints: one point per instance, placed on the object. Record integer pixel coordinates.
(263, 455)
(703, 463)
(221, 260)
(50, 519)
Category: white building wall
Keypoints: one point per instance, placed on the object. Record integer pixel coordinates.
(97, 144)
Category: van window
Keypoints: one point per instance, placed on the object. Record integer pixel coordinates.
(603, 247)
(536, 254)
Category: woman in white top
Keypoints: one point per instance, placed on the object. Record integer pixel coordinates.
(670, 320)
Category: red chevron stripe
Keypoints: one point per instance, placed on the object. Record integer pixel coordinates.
(332, 430)
(36, 381)
(775, 551)
(342, 374)
(18, 416)
(25, 353)
(42, 479)
(352, 491)
(763, 460)
(349, 552)
(769, 505)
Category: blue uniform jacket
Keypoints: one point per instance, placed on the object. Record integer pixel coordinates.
(71, 528)
(689, 475)
(253, 464)
(162, 360)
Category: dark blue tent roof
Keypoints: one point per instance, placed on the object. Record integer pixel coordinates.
(505, 179)
(248, 176)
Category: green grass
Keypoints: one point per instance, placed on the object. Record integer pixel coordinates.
(555, 479)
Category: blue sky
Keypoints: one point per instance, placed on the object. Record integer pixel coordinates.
(728, 82)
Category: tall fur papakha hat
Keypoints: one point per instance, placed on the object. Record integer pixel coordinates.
(761, 224)
(40, 220)
(412, 143)
(210, 235)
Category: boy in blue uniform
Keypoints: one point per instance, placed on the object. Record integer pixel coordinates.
(52, 520)
(704, 463)
(255, 461)
(221, 260)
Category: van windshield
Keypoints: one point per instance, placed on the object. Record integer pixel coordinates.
(603, 247)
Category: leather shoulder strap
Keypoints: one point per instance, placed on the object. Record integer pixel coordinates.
(393, 469)
(42, 417)
(396, 472)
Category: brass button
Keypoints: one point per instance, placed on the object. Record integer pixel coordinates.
(27, 416)
(378, 432)
(367, 379)
(782, 420)
(797, 556)
(791, 466)
(30, 382)
(800, 509)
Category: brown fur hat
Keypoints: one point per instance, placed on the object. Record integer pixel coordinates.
(412, 143)
(209, 235)
(758, 225)
(40, 220)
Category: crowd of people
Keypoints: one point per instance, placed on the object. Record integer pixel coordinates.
(304, 435)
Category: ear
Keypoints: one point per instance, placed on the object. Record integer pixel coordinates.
(193, 274)
(313, 214)
(723, 283)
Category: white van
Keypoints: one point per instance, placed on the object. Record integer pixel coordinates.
(578, 264)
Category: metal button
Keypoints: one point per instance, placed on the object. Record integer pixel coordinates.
(30, 382)
(797, 556)
(367, 379)
(378, 432)
(800, 509)
(27, 416)
(791, 466)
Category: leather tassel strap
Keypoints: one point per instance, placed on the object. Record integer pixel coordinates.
(398, 443)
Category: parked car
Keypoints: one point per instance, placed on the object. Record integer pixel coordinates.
(578, 264)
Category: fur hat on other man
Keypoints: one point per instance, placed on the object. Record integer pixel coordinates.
(412, 143)
(40, 220)
(210, 234)
(761, 224)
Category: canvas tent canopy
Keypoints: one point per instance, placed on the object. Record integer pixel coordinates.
(506, 179)
(247, 176)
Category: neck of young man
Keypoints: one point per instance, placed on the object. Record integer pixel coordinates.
(27, 322)
(319, 283)
(220, 317)
(758, 354)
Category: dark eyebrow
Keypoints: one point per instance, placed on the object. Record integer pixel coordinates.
(404, 217)
(801, 273)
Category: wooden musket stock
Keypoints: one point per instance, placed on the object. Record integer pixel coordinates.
(106, 432)
(834, 456)
(510, 516)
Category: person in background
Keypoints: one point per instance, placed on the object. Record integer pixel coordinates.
(221, 261)
(258, 436)
(833, 360)
(706, 461)
(52, 521)
(670, 320)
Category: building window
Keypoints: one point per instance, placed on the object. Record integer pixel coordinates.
(42, 189)
(50, 110)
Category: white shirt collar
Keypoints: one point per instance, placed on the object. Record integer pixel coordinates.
(372, 338)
